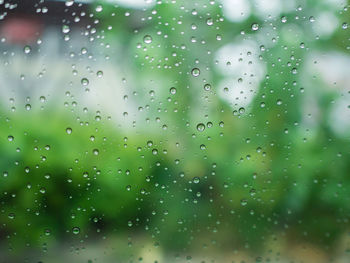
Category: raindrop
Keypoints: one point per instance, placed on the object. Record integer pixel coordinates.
(196, 180)
(147, 39)
(255, 26)
(76, 230)
(244, 202)
(99, 8)
(27, 49)
(172, 90)
(69, 131)
(65, 29)
(210, 22)
(42, 99)
(99, 74)
(11, 216)
(207, 87)
(200, 127)
(84, 81)
(195, 72)
(241, 110)
(69, 2)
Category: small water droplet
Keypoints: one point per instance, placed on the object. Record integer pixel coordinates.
(65, 29)
(69, 2)
(147, 39)
(195, 72)
(76, 230)
(28, 107)
(210, 21)
(99, 8)
(27, 49)
(11, 216)
(200, 127)
(255, 26)
(84, 81)
(244, 202)
(99, 73)
(172, 90)
(207, 87)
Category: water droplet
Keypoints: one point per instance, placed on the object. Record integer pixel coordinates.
(42, 99)
(173, 90)
(76, 230)
(195, 72)
(65, 29)
(255, 26)
(69, 2)
(200, 127)
(68, 130)
(196, 180)
(84, 81)
(344, 26)
(244, 202)
(11, 216)
(28, 107)
(210, 21)
(283, 19)
(99, 73)
(241, 110)
(99, 8)
(27, 49)
(207, 87)
(10, 138)
(147, 39)
(95, 151)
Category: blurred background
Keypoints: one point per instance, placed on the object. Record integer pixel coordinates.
(175, 131)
